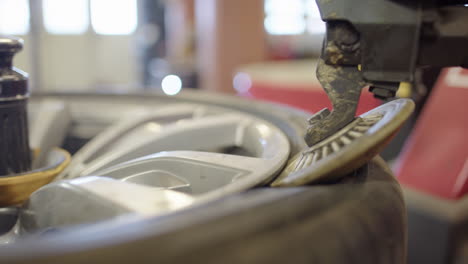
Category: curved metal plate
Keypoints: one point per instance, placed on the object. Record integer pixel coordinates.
(349, 148)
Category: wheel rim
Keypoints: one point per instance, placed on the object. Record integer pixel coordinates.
(176, 139)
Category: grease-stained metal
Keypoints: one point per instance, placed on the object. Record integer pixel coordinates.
(343, 86)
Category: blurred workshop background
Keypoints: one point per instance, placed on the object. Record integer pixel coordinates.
(265, 49)
(93, 44)
(262, 49)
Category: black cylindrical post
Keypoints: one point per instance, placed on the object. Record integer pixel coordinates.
(15, 155)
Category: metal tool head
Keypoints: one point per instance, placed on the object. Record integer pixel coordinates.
(343, 86)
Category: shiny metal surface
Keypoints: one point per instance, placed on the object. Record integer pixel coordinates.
(180, 127)
(90, 200)
(191, 128)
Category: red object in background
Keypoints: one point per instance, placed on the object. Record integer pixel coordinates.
(308, 97)
(435, 159)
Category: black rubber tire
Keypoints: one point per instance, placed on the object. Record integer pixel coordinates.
(361, 219)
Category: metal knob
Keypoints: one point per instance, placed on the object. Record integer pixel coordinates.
(15, 155)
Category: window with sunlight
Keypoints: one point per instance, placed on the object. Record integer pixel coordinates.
(114, 17)
(293, 17)
(285, 17)
(68, 17)
(315, 24)
(14, 17)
